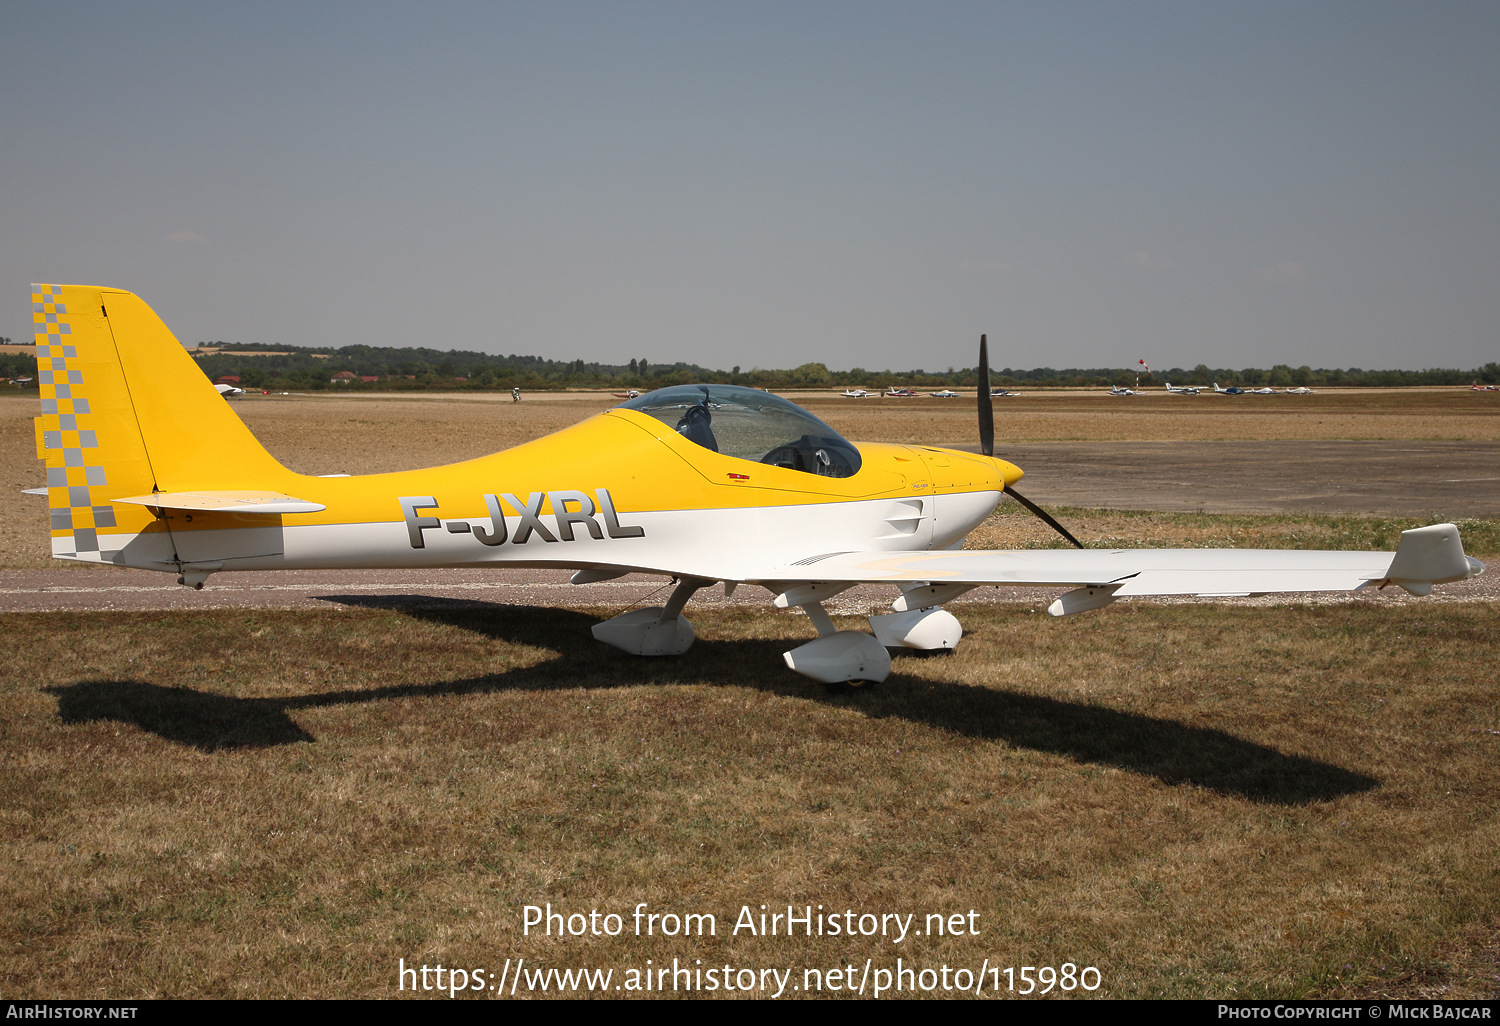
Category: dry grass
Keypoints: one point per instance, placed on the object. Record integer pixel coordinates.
(352, 436)
(364, 436)
(1294, 802)
(1098, 417)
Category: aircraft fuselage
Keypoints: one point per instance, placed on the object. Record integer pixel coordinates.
(619, 489)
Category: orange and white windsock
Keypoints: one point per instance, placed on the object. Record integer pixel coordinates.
(1144, 367)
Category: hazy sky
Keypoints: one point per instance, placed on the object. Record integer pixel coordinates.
(770, 184)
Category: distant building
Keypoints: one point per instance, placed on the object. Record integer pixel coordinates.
(227, 379)
(369, 377)
(342, 378)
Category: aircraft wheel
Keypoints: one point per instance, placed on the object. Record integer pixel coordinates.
(848, 687)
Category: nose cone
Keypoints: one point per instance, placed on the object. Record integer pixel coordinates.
(956, 471)
(1009, 472)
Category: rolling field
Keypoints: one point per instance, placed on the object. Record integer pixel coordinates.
(1195, 800)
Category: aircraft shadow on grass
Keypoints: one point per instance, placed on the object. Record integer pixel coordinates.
(1172, 752)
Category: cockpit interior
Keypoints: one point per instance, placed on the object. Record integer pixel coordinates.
(751, 425)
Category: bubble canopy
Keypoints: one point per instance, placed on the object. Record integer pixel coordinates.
(751, 425)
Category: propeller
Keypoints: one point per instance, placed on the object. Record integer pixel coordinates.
(986, 404)
(987, 440)
(1046, 517)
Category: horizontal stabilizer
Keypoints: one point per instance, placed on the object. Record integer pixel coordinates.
(217, 501)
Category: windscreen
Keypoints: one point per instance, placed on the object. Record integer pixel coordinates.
(751, 425)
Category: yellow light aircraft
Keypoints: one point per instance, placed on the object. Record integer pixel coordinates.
(148, 467)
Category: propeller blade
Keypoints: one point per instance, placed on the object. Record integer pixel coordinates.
(1044, 515)
(986, 404)
(987, 439)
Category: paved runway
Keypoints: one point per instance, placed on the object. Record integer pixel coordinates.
(1450, 479)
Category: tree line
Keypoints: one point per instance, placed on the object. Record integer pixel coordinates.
(17, 365)
(420, 369)
(305, 368)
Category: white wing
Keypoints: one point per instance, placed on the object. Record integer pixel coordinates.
(1426, 556)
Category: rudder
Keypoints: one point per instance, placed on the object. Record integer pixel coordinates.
(87, 433)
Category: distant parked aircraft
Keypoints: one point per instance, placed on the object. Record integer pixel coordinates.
(1267, 390)
(855, 393)
(946, 393)
(229, 391)
(1231, 390)
(899, 393)
(1181, 389)
(630, 394)
(1001, 391)
(1122, 390)
(1304, 390)
(1476, 387)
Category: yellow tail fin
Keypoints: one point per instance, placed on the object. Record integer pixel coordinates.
(125, 411)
